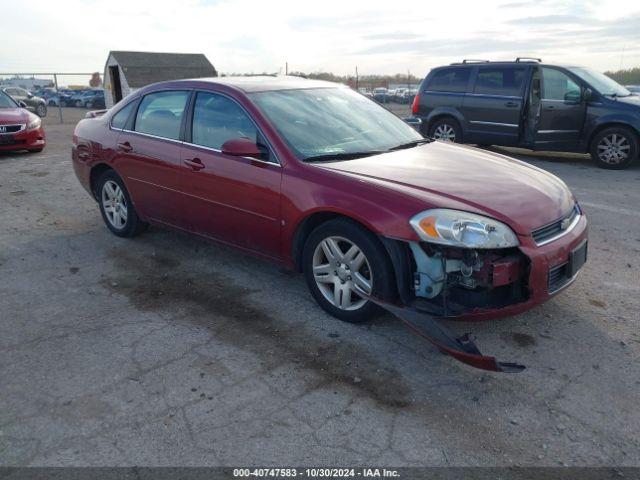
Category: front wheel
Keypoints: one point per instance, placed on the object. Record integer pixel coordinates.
(116, 207)
(342, 259)
(614, 148)
(41, 110)
(446, 129)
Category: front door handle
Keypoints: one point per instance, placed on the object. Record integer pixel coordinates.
(195, 163)
(125, 147)
(511, 104)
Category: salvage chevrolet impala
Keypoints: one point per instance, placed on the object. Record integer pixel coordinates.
(320, 179)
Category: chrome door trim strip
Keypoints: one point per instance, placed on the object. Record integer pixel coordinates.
(558, 131)
(495, 124)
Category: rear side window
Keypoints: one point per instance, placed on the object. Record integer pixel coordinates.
(119, 120)
(160, 114)
(500, 80)
(217, 119)
(450, 80)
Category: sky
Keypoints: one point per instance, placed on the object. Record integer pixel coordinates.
(379, 37)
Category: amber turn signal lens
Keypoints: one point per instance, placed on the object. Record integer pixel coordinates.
(428, 226)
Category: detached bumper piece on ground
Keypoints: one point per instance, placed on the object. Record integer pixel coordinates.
(462, 348)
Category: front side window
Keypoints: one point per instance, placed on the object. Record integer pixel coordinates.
(160, 114)
(119, 120)
(6, 101)
(450, 80)
(557, 85)
(507, 81)
(332, 121)
(217, 119)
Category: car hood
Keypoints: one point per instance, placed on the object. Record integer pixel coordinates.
(630, 100)
(9, 116)
(445, 175)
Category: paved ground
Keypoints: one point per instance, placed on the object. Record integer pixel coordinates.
(166, 350)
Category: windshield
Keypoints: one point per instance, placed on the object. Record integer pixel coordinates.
(599, 81)
(326, 121)
(6, 101)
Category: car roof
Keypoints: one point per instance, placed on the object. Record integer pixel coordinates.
(265, 83)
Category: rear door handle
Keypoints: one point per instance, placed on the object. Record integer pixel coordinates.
(195, 163)
(125, 147)
(511, 104)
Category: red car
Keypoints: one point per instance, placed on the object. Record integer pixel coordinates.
(318, 178)
(19, 128)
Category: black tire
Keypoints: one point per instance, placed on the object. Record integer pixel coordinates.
(448, 124)
(35, 150)
(133, 225)
(78, 104)
(41, 110)
(89, 105)
(606, 159)
(381, 271)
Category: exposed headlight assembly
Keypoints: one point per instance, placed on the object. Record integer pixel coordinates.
(462, 229)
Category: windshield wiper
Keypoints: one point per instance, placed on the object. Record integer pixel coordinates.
(342, 156)
(413, 143)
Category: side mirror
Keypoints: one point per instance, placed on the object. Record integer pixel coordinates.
(22, 104)
(587, 94)
(242, 147)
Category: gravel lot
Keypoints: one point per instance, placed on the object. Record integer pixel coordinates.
(166, 350)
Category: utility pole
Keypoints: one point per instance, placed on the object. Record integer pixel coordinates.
(356, 77)
(286, 68)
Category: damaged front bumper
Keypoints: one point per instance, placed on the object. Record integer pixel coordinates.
(435, 283)
(461, 348)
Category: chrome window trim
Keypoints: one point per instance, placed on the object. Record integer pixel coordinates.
(151, 136)
(511, 125)
(216, 150)
(561, 234)
(23, 126)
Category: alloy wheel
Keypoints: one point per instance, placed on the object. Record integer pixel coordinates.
(614, 149)
(114, 204)
(445, 132)
(340, 269)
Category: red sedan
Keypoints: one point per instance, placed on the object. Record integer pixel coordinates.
(318, 178)
(19, 128)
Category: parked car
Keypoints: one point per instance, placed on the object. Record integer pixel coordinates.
(533, 105)
(380, 94)
(633, 88)
(33, 103)
(19, 128)
(87, 99)
(318, 178)
(50, 96)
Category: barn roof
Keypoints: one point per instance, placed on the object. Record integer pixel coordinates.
(143, 68)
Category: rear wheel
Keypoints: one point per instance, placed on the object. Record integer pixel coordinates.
(446, 129)
(41, 110)
(614, 148)
(116, 207)
(342, 259)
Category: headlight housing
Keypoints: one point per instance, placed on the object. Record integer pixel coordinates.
(462, 229)
(34, 122)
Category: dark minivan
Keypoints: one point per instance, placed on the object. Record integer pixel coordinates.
(532, 105)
